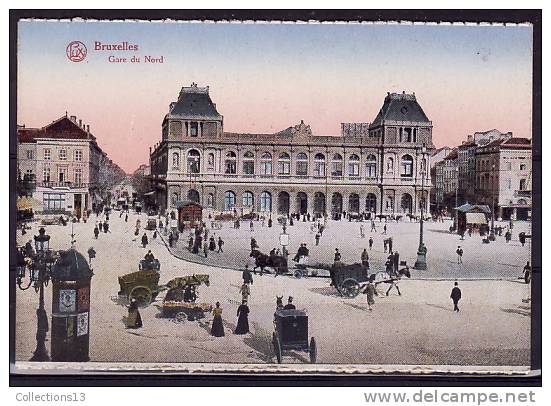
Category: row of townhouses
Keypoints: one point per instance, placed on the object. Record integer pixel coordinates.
(67, 169)
(490, 167)
(377, 167)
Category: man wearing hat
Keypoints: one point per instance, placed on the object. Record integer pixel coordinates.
(289, 305)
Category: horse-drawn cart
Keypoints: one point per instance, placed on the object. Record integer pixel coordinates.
(347, 279)
(143, 286)
(291, 334)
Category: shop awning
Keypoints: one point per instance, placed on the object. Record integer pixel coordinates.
(27, 203)
(476, 218)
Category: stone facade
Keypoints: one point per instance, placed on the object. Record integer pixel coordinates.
(376, 170)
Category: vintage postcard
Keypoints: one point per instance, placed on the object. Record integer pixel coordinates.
(273, 197)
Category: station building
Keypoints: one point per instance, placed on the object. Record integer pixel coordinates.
(378, 167)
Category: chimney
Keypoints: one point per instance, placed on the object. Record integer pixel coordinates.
(74, 119)
(80, 123)
(88, 128)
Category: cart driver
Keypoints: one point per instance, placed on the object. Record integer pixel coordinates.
(149, 256)
(289, 305)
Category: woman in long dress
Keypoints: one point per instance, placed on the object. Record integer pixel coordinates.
(242, 319)
(134, 320)
(217, 326)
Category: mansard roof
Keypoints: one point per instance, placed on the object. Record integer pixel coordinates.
(400, 107)
(194, 102)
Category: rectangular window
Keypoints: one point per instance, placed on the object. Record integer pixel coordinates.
(336, 169)
(62, 154)
(30, 154)
(78, 155)
(62, 175)
(284, 168)
(248, 167)
(508, 166)
(46, 175)
(54, 201)
(193, 129)
(78, 176)
(353, 169)
(47, 154)
(319, 169)
(508, 182)
(266, 168)
(230, 167)
(522, 167)
(302, 168)
(371, 169)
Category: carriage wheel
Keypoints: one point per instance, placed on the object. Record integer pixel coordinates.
(142, 295)
(277, 348)
(350, 288)
(298, 273)
(313, 350)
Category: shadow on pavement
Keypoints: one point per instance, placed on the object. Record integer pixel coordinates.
(326, 291)
(449, 309)
(518, 310)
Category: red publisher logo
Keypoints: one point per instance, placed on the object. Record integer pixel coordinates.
(76, 51)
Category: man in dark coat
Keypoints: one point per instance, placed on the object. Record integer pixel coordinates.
(390, 245)
(220, 244)
(396, 262)
(527, 271)
(370, 243)
(96, 232)
(144, 240)
(455, 296)
(289, 305)
(365, 258)
(247, 275)
(459, 252)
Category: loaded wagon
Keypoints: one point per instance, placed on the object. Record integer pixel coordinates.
(347, 279)
(291, 334)
(143, 286)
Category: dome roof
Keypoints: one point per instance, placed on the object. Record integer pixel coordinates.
(71, 266)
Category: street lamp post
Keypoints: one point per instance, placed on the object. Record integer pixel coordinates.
(456, 200)
(421, 262)
(492, 236)
(39, 262)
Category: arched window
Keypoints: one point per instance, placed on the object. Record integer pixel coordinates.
(193, 161)
(336, 165)
(248, 163)
(319, 165)
(302, 164)
(390, 165)
(230, 163)
(266, 164)
(354, 203)
(371, 166)
(229, 200)
(406, 166)
(175, 197)
(265, 201)
(248, 199)
(175, 160)
(353, 165)
(371, 203)
(407, 203)
(284, 164)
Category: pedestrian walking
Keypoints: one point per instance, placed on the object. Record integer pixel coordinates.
(522, 238)
(507, 236)
(220, 244)
(206, 248)
(144, 240)
(96, 232)
(318, 236)
(390, 245)
(527, 273)
(362, 233)
(212, 244)
(396, 262)
(126, 218)
(384, 229)
(370, 293)
(270, 222)
(365, 259)
(373, 226)
(251, 225)
(455, 296)
(189, 243)
(217, 329)
(106, 227)
(247, 275)
(242, 319)
(370, 243)
(385, 244)
(134, 319)
(245, 291)
(338, 256)
(459, 252)
(100, 226)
